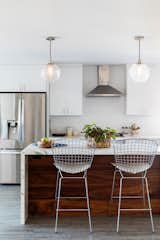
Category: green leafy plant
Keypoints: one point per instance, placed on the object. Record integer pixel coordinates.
(99, 134)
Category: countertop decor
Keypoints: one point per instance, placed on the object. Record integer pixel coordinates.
(45, 143)
(134, 129)
(101, 136)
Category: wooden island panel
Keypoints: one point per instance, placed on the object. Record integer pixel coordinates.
(42, 181)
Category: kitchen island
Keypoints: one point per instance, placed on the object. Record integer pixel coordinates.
(38, 181)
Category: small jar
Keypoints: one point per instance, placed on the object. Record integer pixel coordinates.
(69, 131)
(76, 133)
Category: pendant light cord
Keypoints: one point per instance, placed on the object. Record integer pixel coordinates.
(50, 39)
(50, 51)
(139, 52)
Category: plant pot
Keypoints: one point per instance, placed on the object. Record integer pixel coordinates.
(106, 144)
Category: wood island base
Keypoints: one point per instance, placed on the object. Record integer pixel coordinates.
(42, 181)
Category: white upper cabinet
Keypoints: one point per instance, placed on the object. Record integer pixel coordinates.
(66, 92)
(144, 98)
(21, 78)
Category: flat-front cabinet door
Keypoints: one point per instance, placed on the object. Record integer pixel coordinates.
(9, 168)
(21, 78)
(33, 117)
(66, 92)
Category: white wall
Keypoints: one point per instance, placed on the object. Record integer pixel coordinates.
(106, 111)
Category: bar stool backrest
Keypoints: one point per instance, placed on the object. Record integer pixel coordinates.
(72, 155)
(135, 151)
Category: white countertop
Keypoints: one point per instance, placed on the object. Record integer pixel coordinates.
(32, 149)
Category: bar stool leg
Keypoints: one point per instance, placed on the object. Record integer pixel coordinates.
(58, 200)
(149, 204)
(113, 183)
(119, 204)
(143, 190)
(57, 182)
(88, 205)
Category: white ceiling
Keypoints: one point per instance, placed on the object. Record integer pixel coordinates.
(90, 31)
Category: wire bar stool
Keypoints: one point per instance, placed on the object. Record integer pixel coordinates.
(72, 156)
(133, 156)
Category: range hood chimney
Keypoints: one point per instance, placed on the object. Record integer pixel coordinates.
(103, 89)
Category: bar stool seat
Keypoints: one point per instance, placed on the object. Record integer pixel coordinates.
(133, 168)
(72, 168)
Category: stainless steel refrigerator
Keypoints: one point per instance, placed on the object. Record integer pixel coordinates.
(22, 121)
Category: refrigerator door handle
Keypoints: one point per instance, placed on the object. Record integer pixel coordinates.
(20, 120)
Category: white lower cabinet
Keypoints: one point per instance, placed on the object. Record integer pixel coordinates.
(66, 92)
(9, 168)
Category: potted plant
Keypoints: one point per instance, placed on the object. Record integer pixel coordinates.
(101, 136)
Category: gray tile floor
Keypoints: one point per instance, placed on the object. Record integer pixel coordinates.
(132, 228)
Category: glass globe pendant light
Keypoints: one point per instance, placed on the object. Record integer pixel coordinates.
(139, 71)
(51, 70)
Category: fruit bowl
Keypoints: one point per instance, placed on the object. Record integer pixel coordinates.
(45, 143)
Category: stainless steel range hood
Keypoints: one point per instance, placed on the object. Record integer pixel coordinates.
(104, 89)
